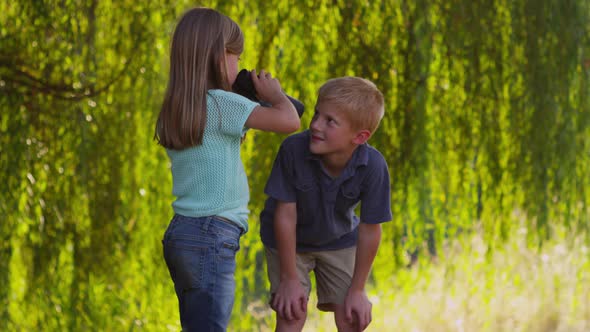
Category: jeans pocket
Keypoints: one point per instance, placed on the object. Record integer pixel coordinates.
(186, 257)
(228, 249)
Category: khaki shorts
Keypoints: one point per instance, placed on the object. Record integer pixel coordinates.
(333, 271)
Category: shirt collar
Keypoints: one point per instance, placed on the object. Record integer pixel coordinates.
(360, 156)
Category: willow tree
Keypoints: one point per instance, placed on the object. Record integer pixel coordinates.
(78, 165)
(486, 129)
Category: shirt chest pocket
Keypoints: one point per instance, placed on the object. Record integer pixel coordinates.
(305, 187)
(307, 192)
(308, 201)
(350, 193)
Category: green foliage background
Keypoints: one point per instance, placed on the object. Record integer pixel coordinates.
(486, 129)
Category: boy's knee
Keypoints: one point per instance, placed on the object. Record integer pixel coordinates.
(342, 323)
(295, 325)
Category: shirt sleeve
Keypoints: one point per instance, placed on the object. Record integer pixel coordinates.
(376, 195)
(234, 110)
(280, 185)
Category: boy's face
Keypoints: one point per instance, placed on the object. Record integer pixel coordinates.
(331, 131)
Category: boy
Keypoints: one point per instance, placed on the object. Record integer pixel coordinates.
(308, 223)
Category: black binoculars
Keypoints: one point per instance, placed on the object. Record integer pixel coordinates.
(245, 87)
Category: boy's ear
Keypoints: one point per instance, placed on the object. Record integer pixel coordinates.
(361, 137)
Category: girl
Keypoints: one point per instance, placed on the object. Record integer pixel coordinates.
(200, 125)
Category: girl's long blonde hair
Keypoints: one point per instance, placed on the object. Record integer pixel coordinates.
(197, 64)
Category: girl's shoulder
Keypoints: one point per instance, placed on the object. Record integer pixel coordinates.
(229, 100)
(229, 95)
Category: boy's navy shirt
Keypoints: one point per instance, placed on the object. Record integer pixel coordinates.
(326, 218)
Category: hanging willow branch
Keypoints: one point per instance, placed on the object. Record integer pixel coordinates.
(34, 85)
(18, 76)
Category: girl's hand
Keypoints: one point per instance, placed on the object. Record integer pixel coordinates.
(268, 88)
(281, 116)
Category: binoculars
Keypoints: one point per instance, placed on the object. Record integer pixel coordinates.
(245, 87)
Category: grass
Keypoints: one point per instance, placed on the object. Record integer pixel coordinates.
(517, 288)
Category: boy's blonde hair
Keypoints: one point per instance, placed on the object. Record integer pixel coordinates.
(359, 98)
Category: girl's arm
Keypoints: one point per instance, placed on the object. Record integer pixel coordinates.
(282, 116)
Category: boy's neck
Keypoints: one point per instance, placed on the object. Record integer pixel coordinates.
(335, 163)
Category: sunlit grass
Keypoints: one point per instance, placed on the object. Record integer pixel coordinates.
(518, 288)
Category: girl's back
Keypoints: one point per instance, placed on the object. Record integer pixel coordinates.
(209, 179)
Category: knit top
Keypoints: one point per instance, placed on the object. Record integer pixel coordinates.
(209, 179)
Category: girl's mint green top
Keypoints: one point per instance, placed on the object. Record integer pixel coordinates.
(209, 179)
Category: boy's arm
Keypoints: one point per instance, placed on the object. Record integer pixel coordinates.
(290, 299)
(357, 303)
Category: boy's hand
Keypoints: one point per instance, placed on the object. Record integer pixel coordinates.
(290, 300)
(358, 309)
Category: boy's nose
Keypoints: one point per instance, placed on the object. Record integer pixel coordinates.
(314, 125)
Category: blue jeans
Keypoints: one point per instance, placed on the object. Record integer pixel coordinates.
(200, 254)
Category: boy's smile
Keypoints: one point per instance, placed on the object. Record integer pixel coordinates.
(316, 138)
